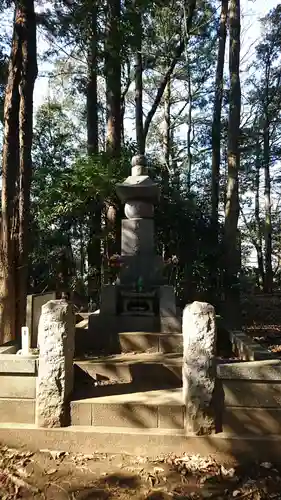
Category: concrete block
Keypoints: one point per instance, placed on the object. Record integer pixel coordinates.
(13, 363)
(265, 370)
(17, 386)
(108, 300)
(170, 324)
(17, 411)
(138, 341)
(252, 394)
(171, 343)
(81, 413)
(167, 301)
(254, 421)
(171, 417)
(124, 415)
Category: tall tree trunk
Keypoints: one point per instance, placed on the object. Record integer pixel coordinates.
(10, 166)
(167, 137)
(231, 250)
(113, 78)
(93, 247)
(92, 100)
(26, 24)
(268, 278)
(216, 125)
(138, 79)
(257, 215)
(189, 127)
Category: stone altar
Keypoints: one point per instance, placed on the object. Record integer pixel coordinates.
(139, 301)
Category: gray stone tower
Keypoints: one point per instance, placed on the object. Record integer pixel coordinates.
(139, 194)
(138, 313)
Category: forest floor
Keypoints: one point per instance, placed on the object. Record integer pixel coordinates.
(262, 320)
(60, 476)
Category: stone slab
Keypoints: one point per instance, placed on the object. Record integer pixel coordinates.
(13, 363)
(124, 415)
(265, 370)
(253, 421)
(150, 342)
(171, 417)
(252, 394)
(17, 411)
(170, 324)
(108, 301)
(167, 301)
(149, 266)
(17, 386)
(225, 449)
(125, 367)
(34, 305)
(8, 349)
(81, 413)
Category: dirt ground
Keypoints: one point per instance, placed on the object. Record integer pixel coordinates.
(55, 475)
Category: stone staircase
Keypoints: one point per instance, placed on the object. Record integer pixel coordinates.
(139, 388)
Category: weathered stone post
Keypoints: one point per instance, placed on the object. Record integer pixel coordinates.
(199, 366)
(56, 336)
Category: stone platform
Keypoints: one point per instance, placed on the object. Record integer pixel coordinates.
(111, 334)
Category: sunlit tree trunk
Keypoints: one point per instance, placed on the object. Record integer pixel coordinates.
(268, 278)
(113, 77)
(231, 246)
(92, 100)
(216, 125)
(26, 23)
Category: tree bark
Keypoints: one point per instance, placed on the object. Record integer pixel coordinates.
(231, 249)
(140, 138)
(268, 278)
(92, 100)
(167, 137)
(257, 215)
(113, 78)
(189, 128)
(216, 125)
(10, 165)
(26, 23)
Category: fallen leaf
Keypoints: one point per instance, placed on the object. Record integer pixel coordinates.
(50, 471)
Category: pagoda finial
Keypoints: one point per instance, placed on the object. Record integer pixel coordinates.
(139, 165)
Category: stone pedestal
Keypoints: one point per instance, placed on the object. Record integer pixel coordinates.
(55, 372)
(199, 367)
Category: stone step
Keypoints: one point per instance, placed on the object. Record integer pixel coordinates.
(128, 333)
(17, 410)
(141, 367)
(151, 342)
(161, 409)
(223, 447)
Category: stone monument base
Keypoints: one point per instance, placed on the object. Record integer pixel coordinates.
(148, 328)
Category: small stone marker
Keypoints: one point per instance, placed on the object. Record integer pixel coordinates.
(199, 366)
(56, 332)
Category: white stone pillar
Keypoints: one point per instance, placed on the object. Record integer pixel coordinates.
(199, 366)
(56, 337)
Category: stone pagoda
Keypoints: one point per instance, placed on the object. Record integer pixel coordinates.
(138, 310)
